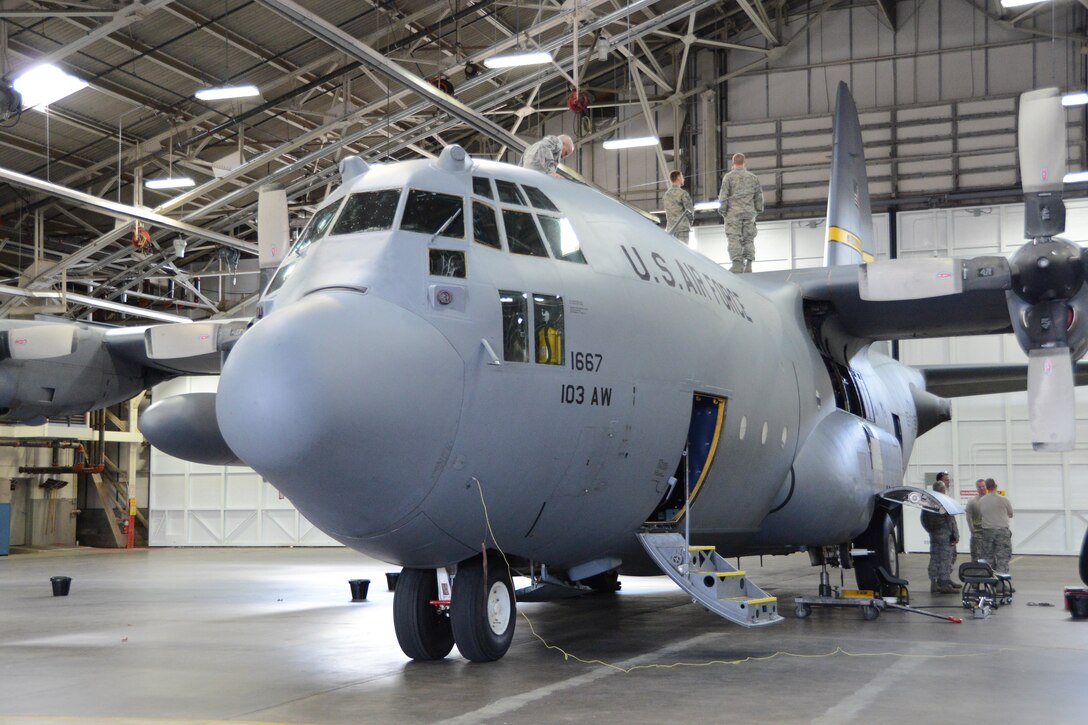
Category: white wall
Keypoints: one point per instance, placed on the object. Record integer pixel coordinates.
(195, 505)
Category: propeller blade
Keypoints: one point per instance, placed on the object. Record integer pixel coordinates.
(1050, 399)
(910, 279)
(1043, 152)
(273, 228)
(41, 342)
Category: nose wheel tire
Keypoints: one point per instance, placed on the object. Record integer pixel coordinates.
(423, 631)
(483, 609)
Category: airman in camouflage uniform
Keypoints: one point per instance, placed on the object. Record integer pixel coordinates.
(995, 538)
(679, 210)
(943, 537)
(545, 155)
(742, 199)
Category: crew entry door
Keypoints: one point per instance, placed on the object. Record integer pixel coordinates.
(704, 432)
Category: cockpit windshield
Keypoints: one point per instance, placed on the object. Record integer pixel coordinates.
(368, 211)
(429, 212)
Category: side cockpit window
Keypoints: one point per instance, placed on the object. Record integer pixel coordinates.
(539, 199)
(429, 212)
(368, 211)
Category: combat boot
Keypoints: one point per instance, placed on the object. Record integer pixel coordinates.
(934, 586)
(948, 587)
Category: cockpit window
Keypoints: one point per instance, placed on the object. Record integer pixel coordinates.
(481, 186)
(429, 212)
(562, 239)
(539, 198)
(368, 211)
(313, 231)
(485, 229)
(509, 193)
(522, 234)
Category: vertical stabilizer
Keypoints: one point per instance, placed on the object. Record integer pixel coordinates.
(849, 218)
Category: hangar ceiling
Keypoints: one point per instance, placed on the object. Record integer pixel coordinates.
(336, 77)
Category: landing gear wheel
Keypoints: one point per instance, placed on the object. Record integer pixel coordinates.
(423, 631)
(483, 610)
(870, 613)
(880, 537)
(802, 611)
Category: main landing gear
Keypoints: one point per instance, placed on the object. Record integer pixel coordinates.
(479, 614)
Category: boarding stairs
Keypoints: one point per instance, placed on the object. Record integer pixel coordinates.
(711, 580)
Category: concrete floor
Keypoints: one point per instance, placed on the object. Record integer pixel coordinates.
(270, 635)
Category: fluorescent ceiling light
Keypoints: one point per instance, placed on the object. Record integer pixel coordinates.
(708, 205)
(1075, 99)
(45, 84)
(511, 60)
(630, 143)
(225, 92)
(1019, 3)
(1076, 177)
(169, 182)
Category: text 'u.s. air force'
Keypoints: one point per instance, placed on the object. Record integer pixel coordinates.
(690, 280)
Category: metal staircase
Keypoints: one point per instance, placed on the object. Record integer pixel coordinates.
(711, 580)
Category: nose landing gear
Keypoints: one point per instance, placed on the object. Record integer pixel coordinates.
(479, 615)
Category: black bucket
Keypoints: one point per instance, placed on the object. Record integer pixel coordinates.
(391, 580)
(359, 588)
(1078, 605)
(61, 585)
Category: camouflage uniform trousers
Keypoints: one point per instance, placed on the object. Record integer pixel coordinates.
(741, 233)
(995, 548)
(942, 559)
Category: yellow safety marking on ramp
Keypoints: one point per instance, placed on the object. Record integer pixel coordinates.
(700, 548)
(764, 600)
(721, 573)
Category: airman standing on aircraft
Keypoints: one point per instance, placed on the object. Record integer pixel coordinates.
(546, 154)
(995, 546)
(741, 197)
(679, 209)
(974, 517)
(943, 537)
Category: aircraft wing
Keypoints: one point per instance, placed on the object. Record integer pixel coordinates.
(981, 312)
(176, 349)
(954, 381)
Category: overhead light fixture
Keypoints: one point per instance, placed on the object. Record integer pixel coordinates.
(1076, 177)
(46, 84)
(708, 205)
(1075, 99)
(169, 182)
(224, 93)
(512, 60)
(631, 143)
(1019, 3)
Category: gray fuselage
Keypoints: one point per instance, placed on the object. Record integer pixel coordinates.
(383, 401)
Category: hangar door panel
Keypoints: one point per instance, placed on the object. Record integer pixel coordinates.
(196, 505)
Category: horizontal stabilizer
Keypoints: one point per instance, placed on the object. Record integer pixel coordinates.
(41, 342)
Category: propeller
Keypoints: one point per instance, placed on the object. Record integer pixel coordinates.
(1044, 279)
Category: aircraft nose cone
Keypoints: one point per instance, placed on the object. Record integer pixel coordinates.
(347, 404)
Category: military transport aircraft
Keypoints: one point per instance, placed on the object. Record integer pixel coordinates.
(463, 363)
